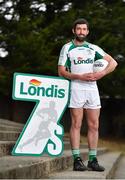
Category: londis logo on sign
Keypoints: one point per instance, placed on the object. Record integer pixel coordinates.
(51, 91)
(43, 131)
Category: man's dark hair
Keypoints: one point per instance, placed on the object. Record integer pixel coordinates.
(80, 21)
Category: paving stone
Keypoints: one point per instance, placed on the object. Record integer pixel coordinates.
(9, 135)
(108, 160)
(120, 171)
(45, 167)
(36, 167)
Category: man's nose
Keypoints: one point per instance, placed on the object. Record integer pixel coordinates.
(81, 31)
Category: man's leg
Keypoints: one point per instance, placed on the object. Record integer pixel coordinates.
(76, 117)
(93, 125)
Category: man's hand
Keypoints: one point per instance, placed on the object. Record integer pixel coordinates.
(99, 75)
(92, 76)
(86, 77)
(83, 77)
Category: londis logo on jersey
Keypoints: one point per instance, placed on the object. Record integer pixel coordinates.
(35, 89)
(82, 61)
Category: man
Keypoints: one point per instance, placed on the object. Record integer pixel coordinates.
(76, 63)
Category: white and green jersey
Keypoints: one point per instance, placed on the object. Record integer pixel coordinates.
(79, 60)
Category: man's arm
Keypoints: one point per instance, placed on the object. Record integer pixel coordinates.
(66, 74)
(62, 71)
(112, 64)
(111, 67)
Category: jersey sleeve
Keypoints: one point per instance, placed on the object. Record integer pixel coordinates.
(99, 53)
(63, 58)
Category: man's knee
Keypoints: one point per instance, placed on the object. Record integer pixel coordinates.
(76, 125)
(93, 126)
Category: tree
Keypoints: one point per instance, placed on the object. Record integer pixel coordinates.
(32, 33)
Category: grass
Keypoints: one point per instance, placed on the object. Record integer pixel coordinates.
(113, 144)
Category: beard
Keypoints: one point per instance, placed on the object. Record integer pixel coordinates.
(80, 38)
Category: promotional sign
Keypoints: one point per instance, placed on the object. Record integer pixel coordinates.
(42, 132)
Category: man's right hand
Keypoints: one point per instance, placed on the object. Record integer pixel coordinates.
(87, 77)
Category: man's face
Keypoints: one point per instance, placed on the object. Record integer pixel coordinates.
(80, 32)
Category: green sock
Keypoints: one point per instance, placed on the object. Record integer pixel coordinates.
(92, 154)
(75, 153)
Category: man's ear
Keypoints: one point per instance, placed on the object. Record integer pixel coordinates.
(73, 31)
(88, 32)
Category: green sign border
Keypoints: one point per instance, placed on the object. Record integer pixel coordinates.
(28, 121)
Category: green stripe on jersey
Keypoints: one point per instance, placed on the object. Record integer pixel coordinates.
(98, 56)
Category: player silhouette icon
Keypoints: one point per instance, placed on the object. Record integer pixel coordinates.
(47, 115)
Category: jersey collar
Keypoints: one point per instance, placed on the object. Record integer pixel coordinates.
(85, 44)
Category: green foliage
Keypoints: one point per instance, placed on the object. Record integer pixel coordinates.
(33, 36)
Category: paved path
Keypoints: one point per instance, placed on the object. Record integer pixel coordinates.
(108, 160)
(120, 171)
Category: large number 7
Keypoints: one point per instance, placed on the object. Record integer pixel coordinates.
(42, 131)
